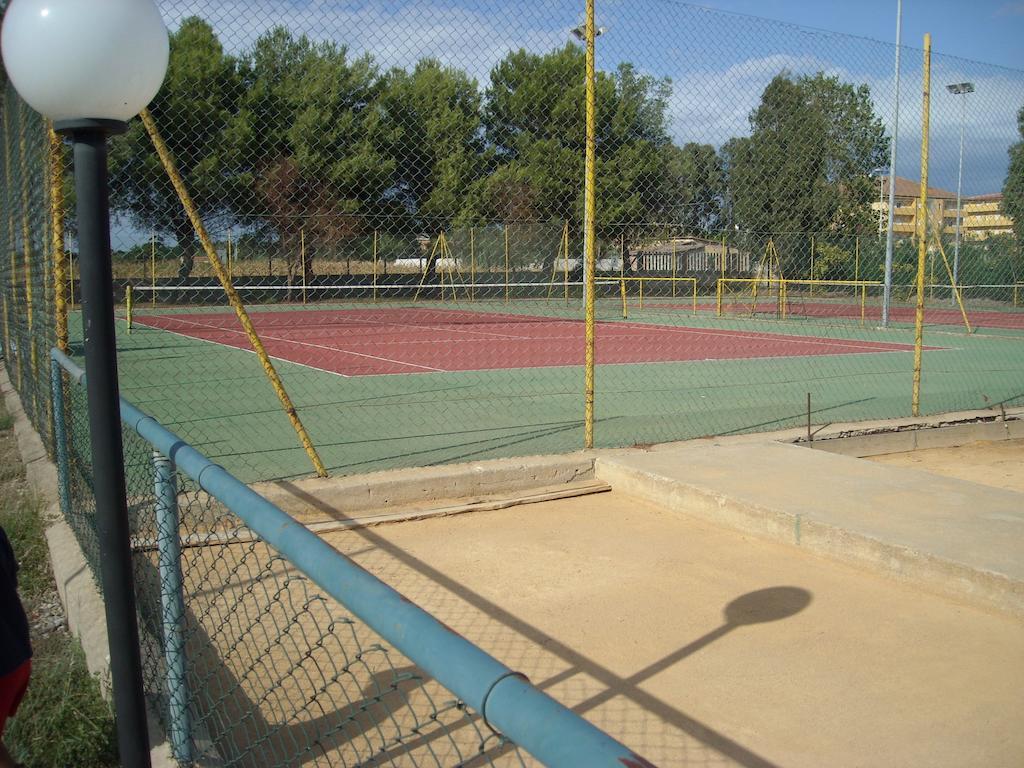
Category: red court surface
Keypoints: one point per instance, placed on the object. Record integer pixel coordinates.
(368, 342)
(873, 313)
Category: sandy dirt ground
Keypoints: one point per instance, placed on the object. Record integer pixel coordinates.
(697, 646)
(691, 644)
(999, 463)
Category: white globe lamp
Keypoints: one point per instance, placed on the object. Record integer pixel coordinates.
(90, 66)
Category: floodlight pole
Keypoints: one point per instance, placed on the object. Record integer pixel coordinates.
(887, 288)
(959, 89)
(89, 138)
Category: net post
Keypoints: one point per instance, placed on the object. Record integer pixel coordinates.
(232, 294)
(375, 266)
(565, 260)
(302, 257)
(173, 605)
(694, 284)
(472, 263)
(922, 228)
(152, 268)
(673, 268)
(718, 296)
(129, 306)
(506, 264)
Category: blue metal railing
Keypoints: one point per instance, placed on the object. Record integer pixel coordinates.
(505, 699)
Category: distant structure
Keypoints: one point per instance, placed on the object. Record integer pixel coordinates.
(983, 215)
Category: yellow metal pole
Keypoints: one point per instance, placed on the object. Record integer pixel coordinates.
(922, 226)
(128, 307)
(957, 293)
(588, 226)
(718, 296)
(724, 255)
(26, 253)
(231, 275)
(565, 260)
(232, 294)
(812, 267)
(506, 264)
(694, 284)
(673, 268)
(375, 266)
(152, 269)
(472, 263)
(302, 256)
(863, 303)
(856, 258)
(60, 280)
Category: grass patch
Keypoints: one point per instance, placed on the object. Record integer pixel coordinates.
(63, 719)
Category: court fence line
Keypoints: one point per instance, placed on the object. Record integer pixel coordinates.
(513, 712)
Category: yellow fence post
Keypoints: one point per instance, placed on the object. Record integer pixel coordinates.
(588, 224)
(60, 304)
(232, 294)
(565, 260)
(152, 269)
(673, 268)
(375, 266)
(922, 227)
(129, 307)
(472, 264)
(506, 264)
(302, 256)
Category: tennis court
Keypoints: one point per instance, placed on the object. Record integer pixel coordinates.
(370, 342)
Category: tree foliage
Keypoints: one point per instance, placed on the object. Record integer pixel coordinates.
(1013, 187)
(806, 167)
(197, 101)
(308, 147)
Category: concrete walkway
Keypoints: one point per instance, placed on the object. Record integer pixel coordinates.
(952, 537)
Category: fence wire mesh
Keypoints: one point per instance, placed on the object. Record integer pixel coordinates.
(396, 192)
(272, 671)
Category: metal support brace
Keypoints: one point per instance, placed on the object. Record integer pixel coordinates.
(173, 603)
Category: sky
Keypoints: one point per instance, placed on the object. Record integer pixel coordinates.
(985, 30)
(718, 56)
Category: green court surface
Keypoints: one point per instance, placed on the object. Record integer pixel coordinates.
(217, 397)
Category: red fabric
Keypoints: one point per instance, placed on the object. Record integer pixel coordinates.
(12, 689)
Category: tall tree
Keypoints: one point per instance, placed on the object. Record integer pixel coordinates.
(535, 127)
(1013, 187)
(805, 168)
(305, 144)
(192, 109)
(432, 130)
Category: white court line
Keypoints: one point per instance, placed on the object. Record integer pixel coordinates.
(292, 341)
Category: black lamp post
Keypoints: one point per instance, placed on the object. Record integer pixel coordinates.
(91, 66)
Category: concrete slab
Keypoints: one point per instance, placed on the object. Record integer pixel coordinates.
(696, 645)
(953, 537)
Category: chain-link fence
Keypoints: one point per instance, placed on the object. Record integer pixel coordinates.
(249, 661)
(395, 192)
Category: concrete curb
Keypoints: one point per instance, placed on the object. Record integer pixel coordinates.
(959, 581)
(427, 487)
(83, 604)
